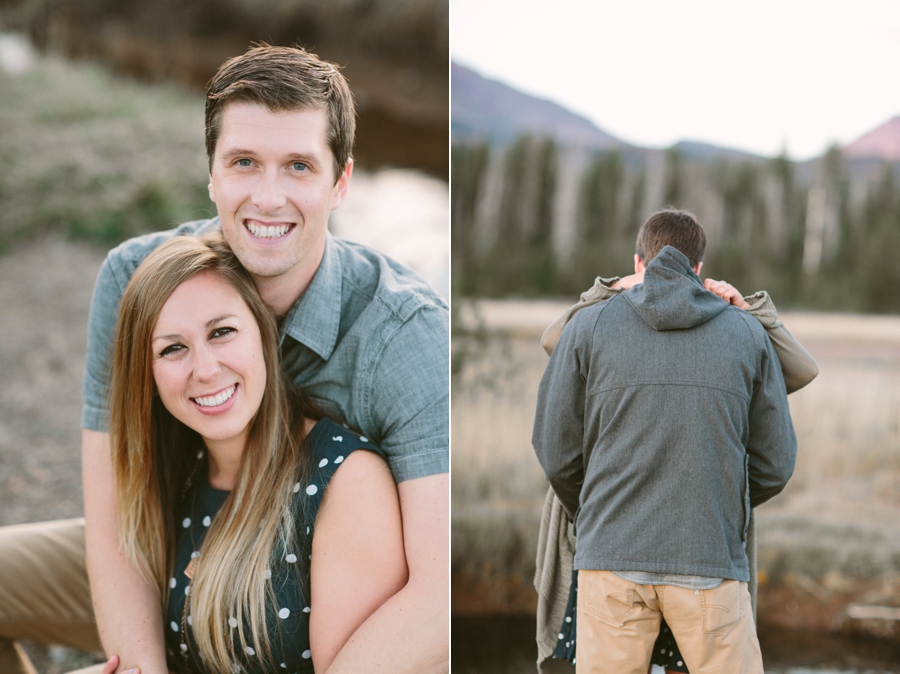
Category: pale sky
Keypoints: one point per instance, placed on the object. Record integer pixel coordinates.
(758, 76)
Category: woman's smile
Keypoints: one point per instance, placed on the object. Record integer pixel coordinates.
(216, 402)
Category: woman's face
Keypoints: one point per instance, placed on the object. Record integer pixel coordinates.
(208, 360)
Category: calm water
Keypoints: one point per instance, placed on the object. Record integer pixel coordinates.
(506, 646)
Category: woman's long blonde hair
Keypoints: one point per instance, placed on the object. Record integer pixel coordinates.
(153, 455)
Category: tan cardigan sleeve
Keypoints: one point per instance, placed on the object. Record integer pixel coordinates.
(797, 365)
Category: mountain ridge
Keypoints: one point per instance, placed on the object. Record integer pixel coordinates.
(483, 109)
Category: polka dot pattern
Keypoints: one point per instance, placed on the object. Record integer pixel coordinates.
(329, 445)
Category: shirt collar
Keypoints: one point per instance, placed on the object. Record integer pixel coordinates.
(315, 318)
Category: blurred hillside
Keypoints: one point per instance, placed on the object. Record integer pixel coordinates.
(393, 52)
(485, 110)
(543, 211)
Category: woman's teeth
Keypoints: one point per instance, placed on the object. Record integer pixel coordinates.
(268, 232)
(216, 400)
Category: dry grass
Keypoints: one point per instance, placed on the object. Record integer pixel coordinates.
(96, 156)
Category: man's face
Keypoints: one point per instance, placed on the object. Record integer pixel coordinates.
(272, 180)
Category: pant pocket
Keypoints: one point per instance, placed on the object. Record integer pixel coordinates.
(722, 607)
(608, 598)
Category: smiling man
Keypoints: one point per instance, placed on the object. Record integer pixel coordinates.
(364, 337)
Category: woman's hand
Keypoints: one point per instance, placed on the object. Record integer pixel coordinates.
(113, 662)
(727, 292)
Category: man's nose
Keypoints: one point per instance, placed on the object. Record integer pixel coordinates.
(268, 193)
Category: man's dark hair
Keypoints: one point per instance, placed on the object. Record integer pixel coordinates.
(671, 227)
(284, 79)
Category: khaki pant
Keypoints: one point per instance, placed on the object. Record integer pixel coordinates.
(44, 591)
(618, 622)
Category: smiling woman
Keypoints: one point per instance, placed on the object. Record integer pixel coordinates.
(221, 474)
(209, 369)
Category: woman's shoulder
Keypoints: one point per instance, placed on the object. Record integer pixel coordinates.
(332, 446)
(333, 442)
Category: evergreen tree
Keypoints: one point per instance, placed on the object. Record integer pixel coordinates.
(596, 232)
(469, 164)
(540, 264)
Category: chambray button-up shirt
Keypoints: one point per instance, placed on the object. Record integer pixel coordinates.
(368, 340)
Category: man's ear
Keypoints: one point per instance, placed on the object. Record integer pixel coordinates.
(639, 265)
(698, 268)
(339, 191)
(212, 190)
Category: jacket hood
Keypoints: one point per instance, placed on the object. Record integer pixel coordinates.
(672, 296)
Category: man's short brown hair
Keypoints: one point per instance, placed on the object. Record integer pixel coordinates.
(671, 227)
(284, 79)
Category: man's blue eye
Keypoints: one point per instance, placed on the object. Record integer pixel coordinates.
(299, 166)
(244, 162)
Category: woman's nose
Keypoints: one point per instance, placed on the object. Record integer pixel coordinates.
(206, 365)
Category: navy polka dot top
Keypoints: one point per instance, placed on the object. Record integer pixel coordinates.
(288, 622)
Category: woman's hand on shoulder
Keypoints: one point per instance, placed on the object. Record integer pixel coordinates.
(727, 292)
(358, 559)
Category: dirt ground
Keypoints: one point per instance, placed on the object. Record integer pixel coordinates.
(46, 291)
(45, 288)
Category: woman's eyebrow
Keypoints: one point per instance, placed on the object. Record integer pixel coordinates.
(168, 338)
(211, 322)
(218, 319)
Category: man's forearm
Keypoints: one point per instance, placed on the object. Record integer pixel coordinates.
(407, 634)
(410, 632)
(126, 605)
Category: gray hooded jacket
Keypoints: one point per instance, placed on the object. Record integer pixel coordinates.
(662, 418)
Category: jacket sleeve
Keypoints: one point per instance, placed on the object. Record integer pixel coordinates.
(559, 419)
(772, 446)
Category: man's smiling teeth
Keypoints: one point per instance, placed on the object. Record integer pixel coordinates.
(267, 232)
(216, 400)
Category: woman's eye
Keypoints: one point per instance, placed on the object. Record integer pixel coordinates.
(171, 350)
(221, 332)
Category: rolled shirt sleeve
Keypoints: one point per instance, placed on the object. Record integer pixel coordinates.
(410, 396)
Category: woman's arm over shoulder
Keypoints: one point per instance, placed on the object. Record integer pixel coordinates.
(797, 365)
(358, 559)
